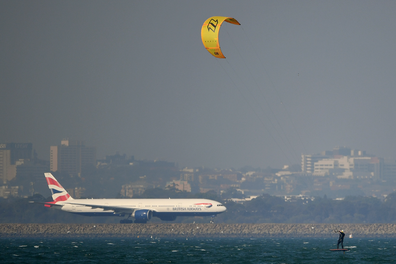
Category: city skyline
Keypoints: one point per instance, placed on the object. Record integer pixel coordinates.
(133, 77)
(341, 171)
(336, 153)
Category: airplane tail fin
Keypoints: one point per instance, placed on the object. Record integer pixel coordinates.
(58, 192)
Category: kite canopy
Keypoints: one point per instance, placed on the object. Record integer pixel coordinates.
(210, 34)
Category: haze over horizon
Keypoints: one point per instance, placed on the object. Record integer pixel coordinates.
(133, 77)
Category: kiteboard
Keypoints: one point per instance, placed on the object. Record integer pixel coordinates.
(341, 249)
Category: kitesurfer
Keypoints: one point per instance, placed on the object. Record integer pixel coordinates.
(341, 239)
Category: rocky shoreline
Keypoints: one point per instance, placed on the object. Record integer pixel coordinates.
(195, 230)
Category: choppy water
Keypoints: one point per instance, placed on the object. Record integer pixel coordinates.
(117, 250)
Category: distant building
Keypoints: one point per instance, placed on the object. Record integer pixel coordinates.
(127, 191)
(348, 167)
(235, 177)
(343, 151)
(308, 161)
(242, 200)
(6, 192)
(72, 157)
(116, 160)
(134, 189)
(344, 163)
(10, 153)
(180, 185)
(295, 198)
(76, 192)
(187, 174)
(7, 171)
(18, 151)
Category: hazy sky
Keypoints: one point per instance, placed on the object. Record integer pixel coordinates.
(134, 77)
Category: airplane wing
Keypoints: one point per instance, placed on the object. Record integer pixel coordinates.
(116, 209)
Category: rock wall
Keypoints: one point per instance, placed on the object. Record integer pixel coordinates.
(196, 230)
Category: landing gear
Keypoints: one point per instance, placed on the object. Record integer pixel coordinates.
(127, 220)
(212, 219)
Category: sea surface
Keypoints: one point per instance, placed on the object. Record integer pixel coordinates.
(197, 250)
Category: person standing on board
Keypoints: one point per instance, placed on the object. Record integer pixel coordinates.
(341, 239)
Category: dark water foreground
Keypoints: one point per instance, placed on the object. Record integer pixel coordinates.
(196, 230)
(194, 250)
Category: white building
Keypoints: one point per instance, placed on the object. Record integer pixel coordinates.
(345, 167)
(308, 161)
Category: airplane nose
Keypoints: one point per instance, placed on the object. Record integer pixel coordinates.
(224, 209)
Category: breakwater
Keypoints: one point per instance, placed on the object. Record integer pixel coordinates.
(195, 230)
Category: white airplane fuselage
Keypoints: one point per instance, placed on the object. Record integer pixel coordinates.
(177, 207)
(140, 209)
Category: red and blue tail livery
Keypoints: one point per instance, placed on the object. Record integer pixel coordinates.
(58, 192)
(140, 210)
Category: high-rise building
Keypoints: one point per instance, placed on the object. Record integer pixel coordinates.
(10, 153)
(344, 163)
(18, 151)
(72, 157)
(6, 169)
(308, 161)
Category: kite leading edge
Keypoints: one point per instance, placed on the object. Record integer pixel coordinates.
(210, 34)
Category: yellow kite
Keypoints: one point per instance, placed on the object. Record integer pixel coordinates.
(210, 34)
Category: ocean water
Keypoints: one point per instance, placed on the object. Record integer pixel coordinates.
(197, 250)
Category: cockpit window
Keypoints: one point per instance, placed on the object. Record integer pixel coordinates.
(219, 205)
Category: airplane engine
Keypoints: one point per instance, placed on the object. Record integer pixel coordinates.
(142, 216)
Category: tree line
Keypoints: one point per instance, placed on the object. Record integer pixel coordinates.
(263, 209)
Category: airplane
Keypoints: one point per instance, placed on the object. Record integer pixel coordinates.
(141, 210)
